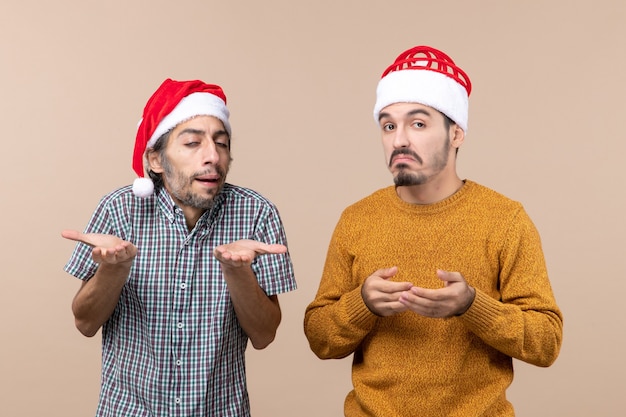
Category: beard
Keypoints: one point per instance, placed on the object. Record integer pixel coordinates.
(180, 186)
(404, 177)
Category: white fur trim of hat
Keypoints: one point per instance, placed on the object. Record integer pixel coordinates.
(195, 104)
(426, 87)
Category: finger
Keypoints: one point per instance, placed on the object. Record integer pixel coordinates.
(222, 254)
(448, 277)
(115, 255)
(424, 306)
(96, 255)
(392, 287)
(379, 281)
(392, 308)
(387, 273)
(274, 248)
(104, 255)
(79, 237)
(73, 235)
(410, 298)
(437, 294)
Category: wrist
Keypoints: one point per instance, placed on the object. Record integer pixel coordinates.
(470, 301)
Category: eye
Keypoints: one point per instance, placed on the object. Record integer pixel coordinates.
(221, 144)
(192, 144)
(388, 127)
(222, 141)
(419, 124)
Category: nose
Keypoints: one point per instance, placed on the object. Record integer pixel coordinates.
(210, 156)
(400, 139)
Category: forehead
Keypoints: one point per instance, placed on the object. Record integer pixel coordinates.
(403, 110)
(208, 124)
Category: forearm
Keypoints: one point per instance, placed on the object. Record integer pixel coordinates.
(97, 298)
(530, 335)
(335, 328)
(522, 318)
(258, 314)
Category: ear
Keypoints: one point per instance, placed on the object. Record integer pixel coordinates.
(154, 161)
(457, 136)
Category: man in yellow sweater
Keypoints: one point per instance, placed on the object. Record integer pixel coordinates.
(436, 283)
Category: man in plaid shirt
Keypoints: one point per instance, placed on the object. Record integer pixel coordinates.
(181, 269)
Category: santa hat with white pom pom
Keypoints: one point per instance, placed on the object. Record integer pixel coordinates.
(171, 104)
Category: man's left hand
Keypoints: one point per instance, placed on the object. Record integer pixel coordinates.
(453, 299)
(242, 252)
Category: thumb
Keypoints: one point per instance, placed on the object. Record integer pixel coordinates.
(72, 235)
(387, 273)
(274, 248)
(449, 277)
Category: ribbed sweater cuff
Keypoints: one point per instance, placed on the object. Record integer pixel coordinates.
(483, 312)
(358, 312)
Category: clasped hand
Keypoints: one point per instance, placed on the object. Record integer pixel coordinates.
(385, 298)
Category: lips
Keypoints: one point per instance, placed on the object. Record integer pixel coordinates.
(208, 178)
(401, 158)
(404, 156)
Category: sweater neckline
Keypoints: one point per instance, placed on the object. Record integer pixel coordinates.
(433, 207)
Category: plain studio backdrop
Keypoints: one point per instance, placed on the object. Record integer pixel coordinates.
(546, 128)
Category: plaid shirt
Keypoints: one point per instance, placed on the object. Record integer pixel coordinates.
(173, 345)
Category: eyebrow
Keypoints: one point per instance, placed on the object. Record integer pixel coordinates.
(192, 131)
(410, 113)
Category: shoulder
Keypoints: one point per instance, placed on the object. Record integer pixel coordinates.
(482, 196)
(122, 205)
(380, 196)
(246, 197)
(496, 209)
(377, 201)
(238, 192)
(124, 196)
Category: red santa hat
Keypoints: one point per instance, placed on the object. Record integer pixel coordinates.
(427, 76)
(171, 104)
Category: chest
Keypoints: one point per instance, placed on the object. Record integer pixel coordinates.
(419, 246)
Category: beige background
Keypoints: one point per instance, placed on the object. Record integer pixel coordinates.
(546, 128)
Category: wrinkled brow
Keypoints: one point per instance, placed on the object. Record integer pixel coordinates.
(201, 132)
(409, 113)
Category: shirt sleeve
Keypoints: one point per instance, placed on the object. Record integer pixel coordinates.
(337, 320)
(526, 322)
(81, 264)
(274, 272)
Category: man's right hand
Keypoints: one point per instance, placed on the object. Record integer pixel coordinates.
(382, 296)
(107, 249)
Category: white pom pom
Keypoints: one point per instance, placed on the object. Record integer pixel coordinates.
(143, 187)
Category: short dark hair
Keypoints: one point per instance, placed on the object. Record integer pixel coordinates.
(159, 147)
(448, 123)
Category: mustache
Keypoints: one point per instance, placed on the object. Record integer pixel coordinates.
(217, 170)
(404, 151)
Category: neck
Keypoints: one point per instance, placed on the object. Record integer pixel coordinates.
(430, 192)
(192, 215)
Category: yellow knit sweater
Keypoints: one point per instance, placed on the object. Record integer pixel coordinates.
(409, 365)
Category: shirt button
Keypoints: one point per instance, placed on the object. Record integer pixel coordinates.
(183, 285)
(179, 362)
(177, 400)
(179, 325)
